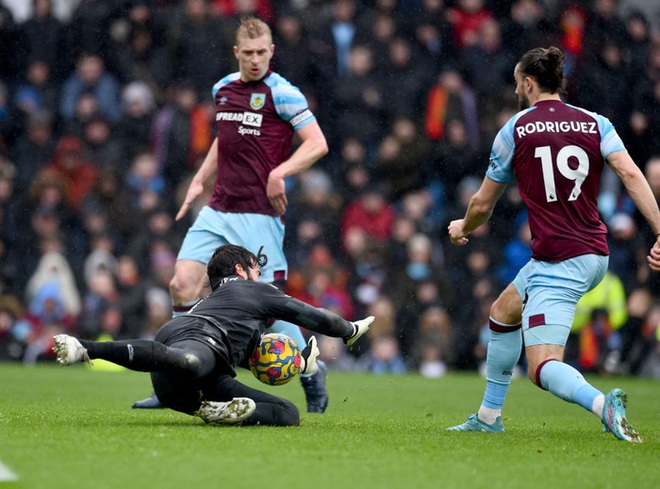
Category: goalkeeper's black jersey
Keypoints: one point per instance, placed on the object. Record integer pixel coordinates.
(233, 317)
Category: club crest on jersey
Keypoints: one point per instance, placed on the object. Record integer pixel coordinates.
(257, 100)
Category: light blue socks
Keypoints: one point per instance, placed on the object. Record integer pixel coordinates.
(504, 348)
(568, 384)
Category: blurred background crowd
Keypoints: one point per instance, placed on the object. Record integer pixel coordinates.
(106, 112)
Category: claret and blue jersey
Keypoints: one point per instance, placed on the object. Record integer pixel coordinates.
(557, 152)
(266, 113)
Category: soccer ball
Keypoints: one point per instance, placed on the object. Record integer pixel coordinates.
(276, 360)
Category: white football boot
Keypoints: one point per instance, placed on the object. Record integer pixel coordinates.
(232, 412)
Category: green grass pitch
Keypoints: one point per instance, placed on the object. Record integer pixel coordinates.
(74, 428)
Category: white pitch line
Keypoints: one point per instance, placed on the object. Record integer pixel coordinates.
(6, 475)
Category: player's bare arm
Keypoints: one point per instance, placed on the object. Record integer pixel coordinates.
(312, 148)
(202, 178)
(478, 212)
(642, 195)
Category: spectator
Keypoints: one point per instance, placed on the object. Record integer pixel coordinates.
(313, 214)
(402, 158)
(194, 35)
(40, 83)
(141, 60)
(638, 46)
(453, 158)
(333, 42)
(157, 229)
(627, 250)
(133, 130)
(528, 24)
(433, 350)
(259, 8)
(9, 211)
(46, 215)
(359, 106)
(294, 59)
(100, 146)
(600, 345)
(8, 44)
(488, 63)
(88, 31)
(426, 295)
(610, 296)
(407, 76)
(12, 328)
(639, 334)
(42, 38)
(650, 11)
(382, 30)
(604, 25)
(91, 78)
(47, 315)
(145, 181)
(466, 19)
(517, 251)
(350, 169)
(420, 267)
(371, 213)
(132, 290)
(382, 355)
(181, 134)
(158, 311)
(608, 69)
(54, 271)
(101, 295)
(433, 33)
(451, 97)
(112, 197)
(77, 175)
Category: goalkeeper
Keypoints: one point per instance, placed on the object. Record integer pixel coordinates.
(193, 357)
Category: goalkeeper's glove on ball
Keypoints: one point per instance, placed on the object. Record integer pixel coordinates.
(308, 356)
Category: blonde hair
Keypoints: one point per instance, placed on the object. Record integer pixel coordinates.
(252, 28)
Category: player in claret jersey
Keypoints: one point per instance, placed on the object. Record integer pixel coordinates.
(557, 153)
(257, 114)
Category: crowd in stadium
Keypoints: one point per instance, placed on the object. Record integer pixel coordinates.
(106, 112)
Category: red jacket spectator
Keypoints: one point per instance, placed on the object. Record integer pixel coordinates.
(78, 175)
(372, 213)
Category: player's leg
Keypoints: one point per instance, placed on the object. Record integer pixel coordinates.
(553, 295)
(181, 393)
(504, 349)
(186, 285)
(201, 240)
(191, 359)
(269, 410)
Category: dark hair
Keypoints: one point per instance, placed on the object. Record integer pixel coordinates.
(547, 66)
(225, 258)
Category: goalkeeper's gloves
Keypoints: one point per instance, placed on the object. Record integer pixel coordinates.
(308, 356)
(360, 327)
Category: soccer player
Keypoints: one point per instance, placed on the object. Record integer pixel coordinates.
(258, 112)
(557, 153)
(193, 357)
